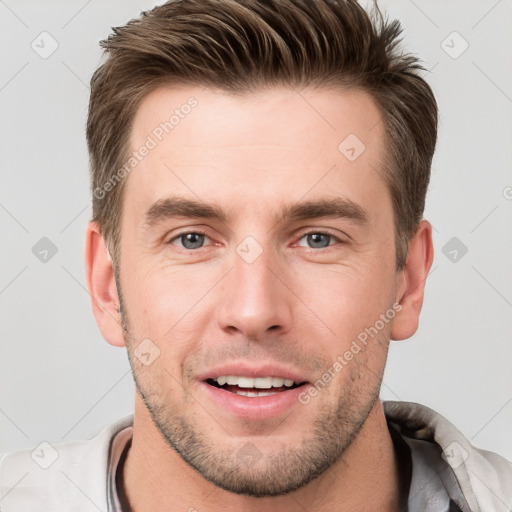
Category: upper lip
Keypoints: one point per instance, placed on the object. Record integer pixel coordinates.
(245, 369)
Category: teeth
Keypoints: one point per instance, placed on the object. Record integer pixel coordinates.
(243, 382)
(277, 382)
(253, 394)
(257, 382)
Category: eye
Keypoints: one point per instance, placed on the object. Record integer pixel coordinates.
(318, 240)
(190, 241)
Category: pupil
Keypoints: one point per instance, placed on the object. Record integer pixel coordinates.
(318, 240)
(192, 240)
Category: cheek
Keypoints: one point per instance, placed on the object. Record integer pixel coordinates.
(161, 299)
(351, 303)
(347, 299)
(172, 308)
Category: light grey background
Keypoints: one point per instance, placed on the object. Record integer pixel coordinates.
(58, 378)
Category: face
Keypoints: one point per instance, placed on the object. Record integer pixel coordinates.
(258, 278)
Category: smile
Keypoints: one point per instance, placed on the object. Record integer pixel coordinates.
(241, 385)
(245, 391)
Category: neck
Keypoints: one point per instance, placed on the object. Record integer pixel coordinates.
(155, 477)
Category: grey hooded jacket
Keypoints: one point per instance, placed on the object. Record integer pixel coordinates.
(446, 465)
(446, 473)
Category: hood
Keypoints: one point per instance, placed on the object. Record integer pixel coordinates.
(483, 478)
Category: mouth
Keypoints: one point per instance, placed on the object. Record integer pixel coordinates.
(253, 387)
(252, 392)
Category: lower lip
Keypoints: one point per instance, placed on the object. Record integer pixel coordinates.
(254, 408)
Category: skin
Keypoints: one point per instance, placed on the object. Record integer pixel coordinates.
(295, 305)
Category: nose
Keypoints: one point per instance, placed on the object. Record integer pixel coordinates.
(255, 300)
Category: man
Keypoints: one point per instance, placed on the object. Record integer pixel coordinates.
(259, 171)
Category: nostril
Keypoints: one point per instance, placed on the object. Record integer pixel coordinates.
(273, 327)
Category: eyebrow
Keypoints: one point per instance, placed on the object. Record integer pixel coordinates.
(335, 208)
(174, 207)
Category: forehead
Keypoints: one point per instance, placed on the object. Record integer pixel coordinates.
(272, 145)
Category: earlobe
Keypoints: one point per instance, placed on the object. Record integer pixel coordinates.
(411, 282)
(102, 286)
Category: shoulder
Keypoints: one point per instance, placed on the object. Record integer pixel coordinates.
(485, 478)
(60, 474)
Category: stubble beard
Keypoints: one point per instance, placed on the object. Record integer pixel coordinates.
(272, 473)
(267, 472)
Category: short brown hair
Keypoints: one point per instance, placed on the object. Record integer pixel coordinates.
(244, 45)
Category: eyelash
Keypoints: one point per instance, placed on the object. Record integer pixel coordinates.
(183, 233)
(316, 232)
(305, 234)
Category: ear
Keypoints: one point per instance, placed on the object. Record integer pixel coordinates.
(102, 286)
(411, 282)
